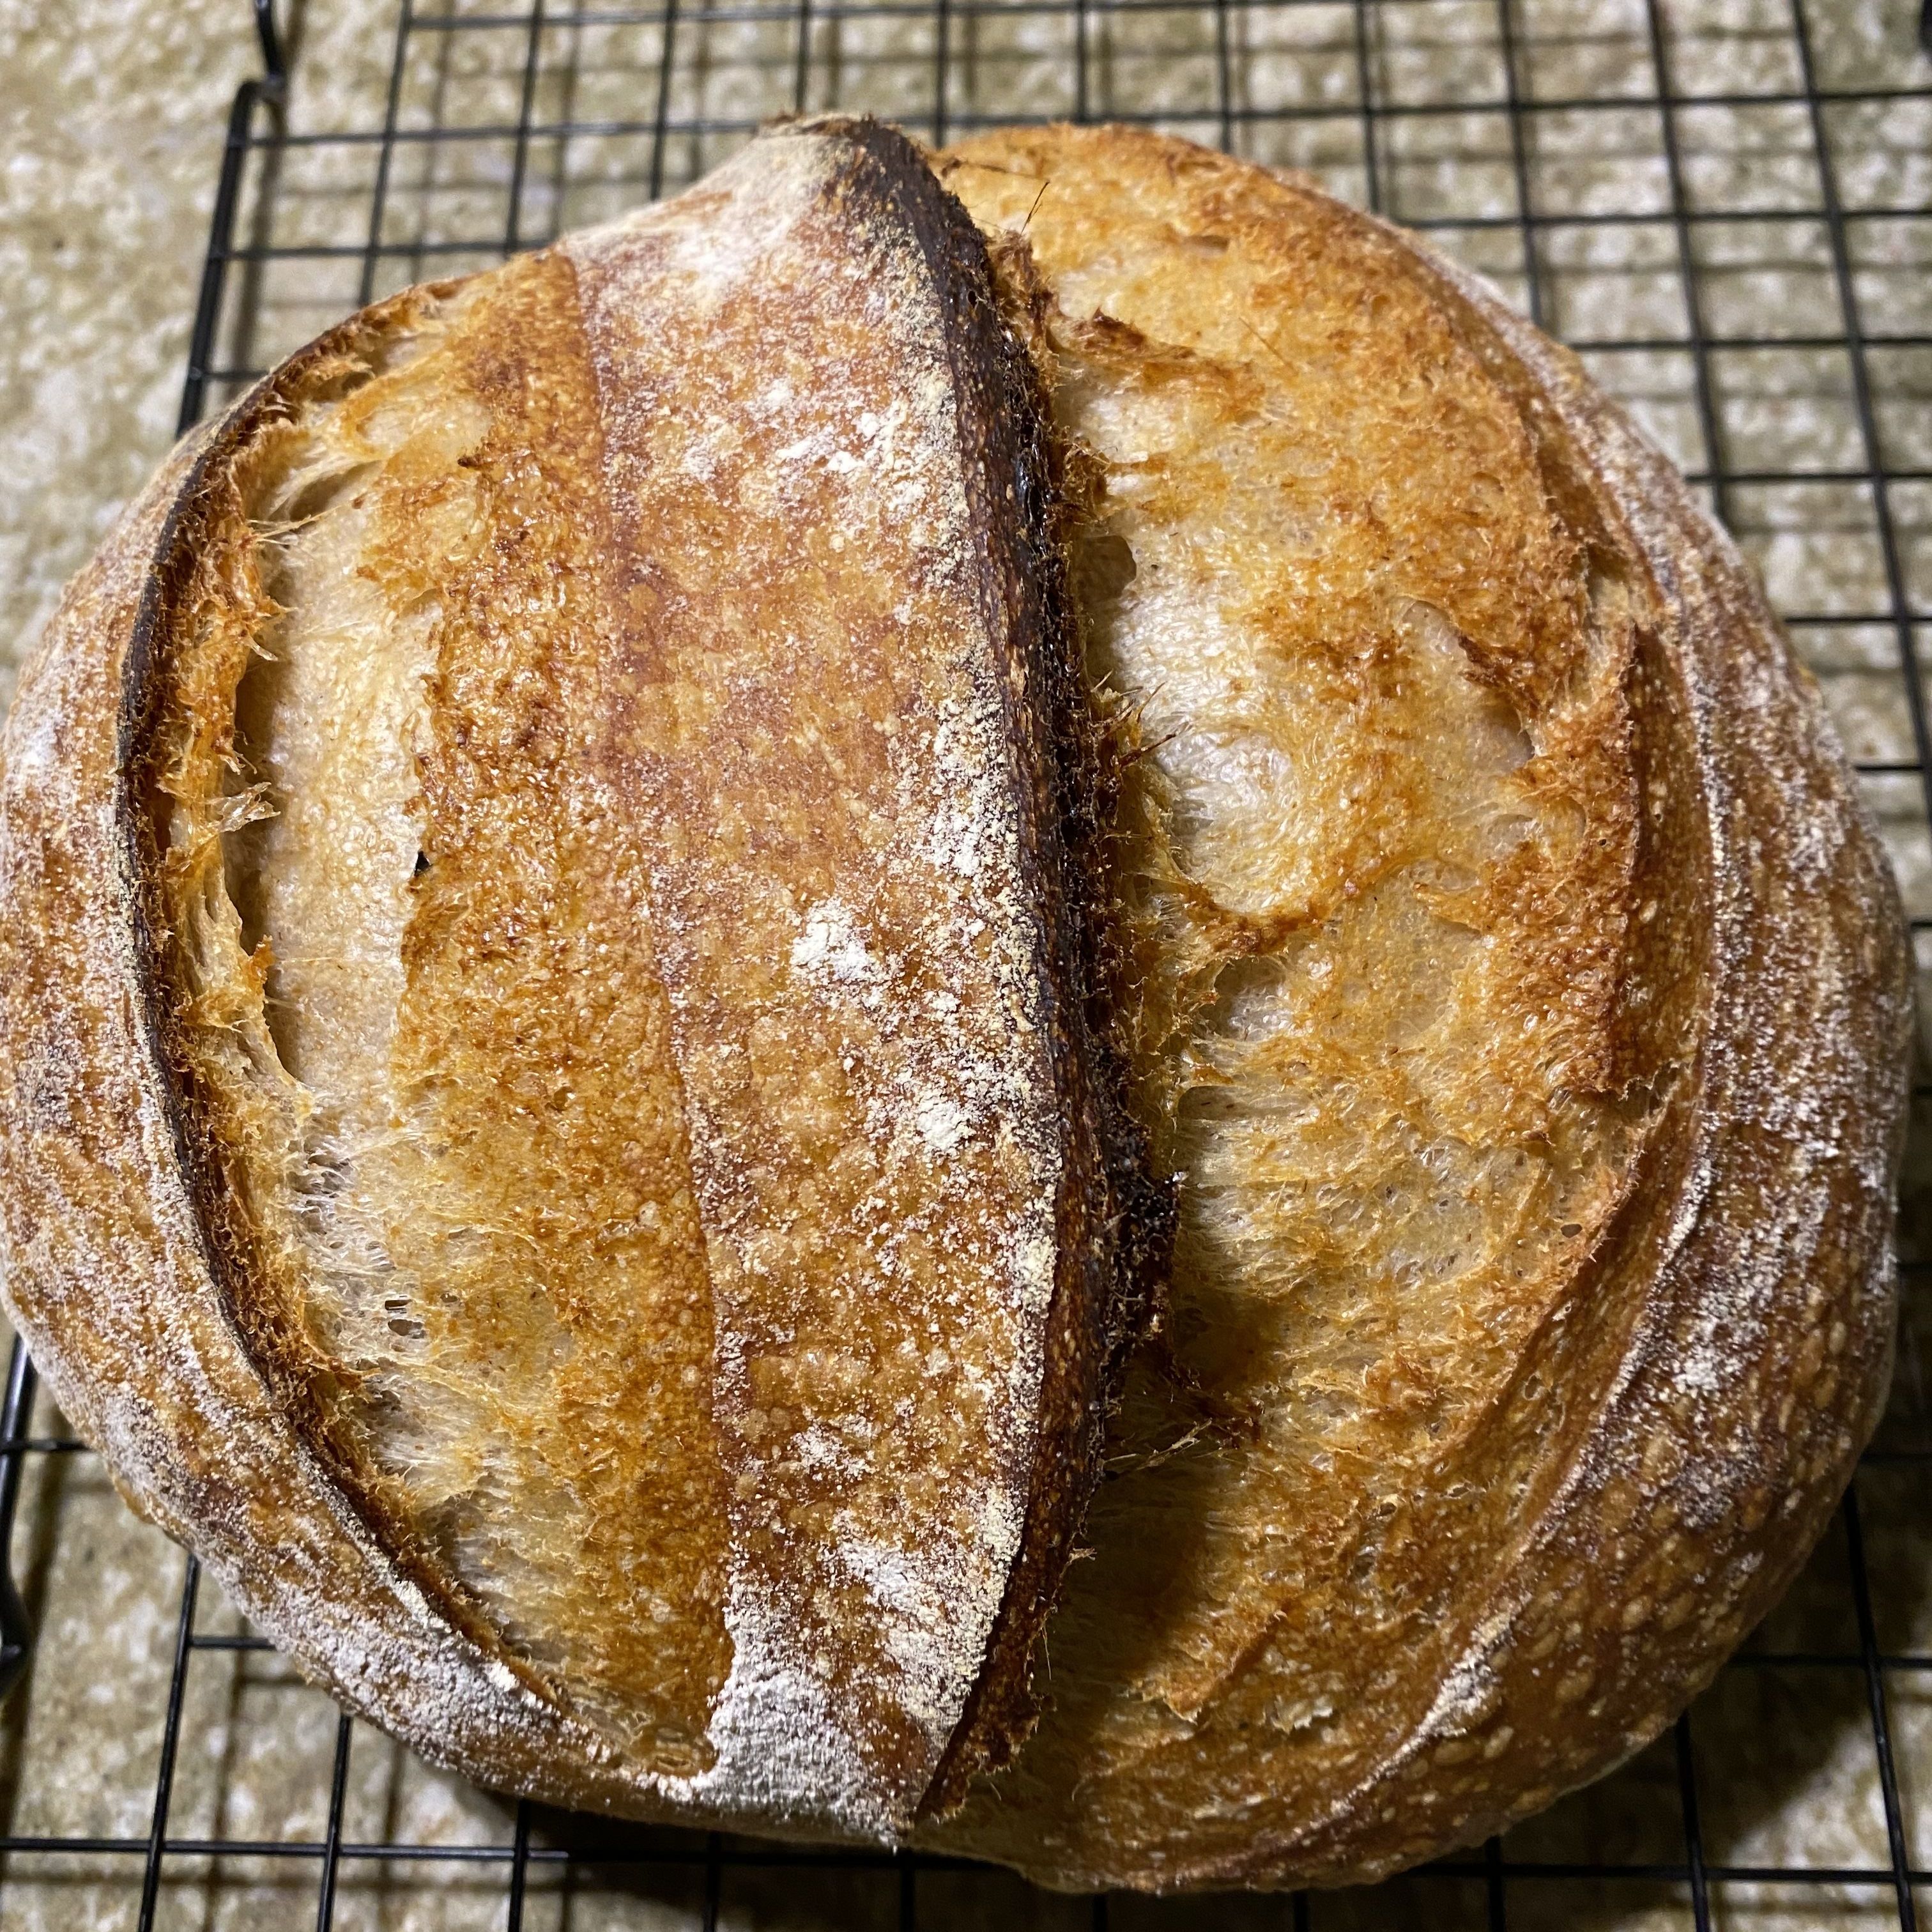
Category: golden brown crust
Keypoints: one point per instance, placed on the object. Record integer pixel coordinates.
(1663, 1416)
(1519, 1549)
(840, 1105)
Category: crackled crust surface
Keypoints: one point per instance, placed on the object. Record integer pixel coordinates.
(558, 1139)
(1525, 1003)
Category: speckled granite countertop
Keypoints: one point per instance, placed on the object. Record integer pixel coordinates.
(113, 116)
(113, 130)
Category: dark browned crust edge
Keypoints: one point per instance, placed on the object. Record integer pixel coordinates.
(1113, 1217)
(140, 812)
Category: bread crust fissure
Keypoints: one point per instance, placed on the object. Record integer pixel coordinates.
(176, 750)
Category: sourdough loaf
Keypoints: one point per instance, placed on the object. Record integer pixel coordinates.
(555, 1123)
(1522, 998)
(557, 1118)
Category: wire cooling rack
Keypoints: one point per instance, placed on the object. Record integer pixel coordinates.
(1725, 207)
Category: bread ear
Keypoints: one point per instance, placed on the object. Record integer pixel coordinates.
(875, 884)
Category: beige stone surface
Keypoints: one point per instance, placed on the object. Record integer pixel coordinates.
(112, 116)
(104, 194)
(111, 120)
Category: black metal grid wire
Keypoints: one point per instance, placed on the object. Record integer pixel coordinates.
(499, 128)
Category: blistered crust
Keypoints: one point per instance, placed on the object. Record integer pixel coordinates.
(1522, 1544)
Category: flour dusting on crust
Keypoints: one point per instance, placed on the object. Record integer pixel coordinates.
(912, 1011)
